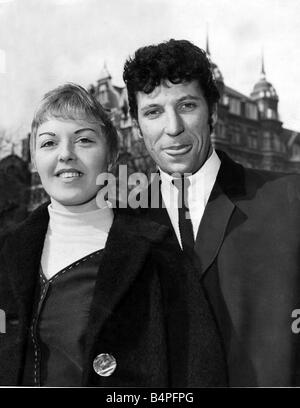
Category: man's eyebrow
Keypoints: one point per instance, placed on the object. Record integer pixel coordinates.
(150, 105)
(193, 97)
(84, 130)
(183, 98)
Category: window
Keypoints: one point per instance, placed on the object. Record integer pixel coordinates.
(236, 138)
(267, 140)
(220, 130)
(225, 100)
(234, 106)
(103, 95)
(271, 114)
(276, 143)
(296, 150)
(251, 111)
(252, 140)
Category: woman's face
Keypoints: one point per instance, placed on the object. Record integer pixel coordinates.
(69, 156)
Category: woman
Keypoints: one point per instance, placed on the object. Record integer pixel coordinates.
(93, 296)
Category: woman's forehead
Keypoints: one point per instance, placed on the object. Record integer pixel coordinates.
(65, 125)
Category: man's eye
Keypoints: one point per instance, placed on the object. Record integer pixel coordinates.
(153, 113)
(187, 106)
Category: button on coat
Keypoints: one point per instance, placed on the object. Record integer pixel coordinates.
(104, 364)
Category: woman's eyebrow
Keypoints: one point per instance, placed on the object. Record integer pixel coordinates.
(84, 130)
(47, 133)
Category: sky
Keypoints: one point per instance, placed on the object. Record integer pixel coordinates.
(45, 43)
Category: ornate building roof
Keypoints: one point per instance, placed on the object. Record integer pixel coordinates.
(216, 70)
(263, 88)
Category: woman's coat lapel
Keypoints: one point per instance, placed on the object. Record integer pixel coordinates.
(127, 247)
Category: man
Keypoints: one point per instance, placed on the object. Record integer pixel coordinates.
(239, 227)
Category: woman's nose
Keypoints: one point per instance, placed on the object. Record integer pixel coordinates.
(174, 124)
(66, 153)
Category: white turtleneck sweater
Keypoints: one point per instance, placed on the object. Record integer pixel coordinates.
(71, 237)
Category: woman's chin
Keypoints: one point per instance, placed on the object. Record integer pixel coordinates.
(74, 204)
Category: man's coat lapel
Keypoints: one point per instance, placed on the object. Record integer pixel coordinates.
(228, 188)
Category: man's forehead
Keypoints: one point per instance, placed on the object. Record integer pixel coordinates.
(166, 87)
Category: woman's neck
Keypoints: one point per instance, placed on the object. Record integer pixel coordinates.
(80, 208)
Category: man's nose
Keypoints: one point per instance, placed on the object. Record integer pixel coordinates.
(66, 152)
(174, 124)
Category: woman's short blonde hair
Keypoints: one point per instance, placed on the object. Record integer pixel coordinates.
(73, 102)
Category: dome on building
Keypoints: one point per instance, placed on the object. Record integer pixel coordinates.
(104, 73)
(263, 88)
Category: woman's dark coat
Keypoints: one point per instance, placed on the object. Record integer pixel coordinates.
(145, 309)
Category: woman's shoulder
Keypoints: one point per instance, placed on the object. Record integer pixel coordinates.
(39, 216)
(3, 236)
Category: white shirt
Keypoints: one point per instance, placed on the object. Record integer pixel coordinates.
(199, 190)
(73, 236)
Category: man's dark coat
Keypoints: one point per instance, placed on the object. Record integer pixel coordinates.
(247, 255)
(145, 311)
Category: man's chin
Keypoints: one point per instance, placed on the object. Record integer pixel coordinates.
(176, 169)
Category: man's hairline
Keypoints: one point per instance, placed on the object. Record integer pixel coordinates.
(214, 105)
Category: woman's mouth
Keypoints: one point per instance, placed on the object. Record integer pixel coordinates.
(70, 174)
(67, 175)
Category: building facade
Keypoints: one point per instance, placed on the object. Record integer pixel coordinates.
(249, 129)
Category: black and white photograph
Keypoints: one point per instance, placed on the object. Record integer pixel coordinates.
(149, 196)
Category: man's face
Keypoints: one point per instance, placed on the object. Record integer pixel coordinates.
(173, 120)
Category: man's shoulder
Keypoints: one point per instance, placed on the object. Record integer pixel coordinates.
(271, 194)
(277, 178)
(250, 182)
(281, 186)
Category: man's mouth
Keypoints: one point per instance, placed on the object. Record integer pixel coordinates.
(176, 150)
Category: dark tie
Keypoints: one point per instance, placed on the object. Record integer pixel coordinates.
(184, 219)
(207, 361)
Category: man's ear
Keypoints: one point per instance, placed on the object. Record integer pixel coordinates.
(214, 116)
(113, 159)
(136, 124)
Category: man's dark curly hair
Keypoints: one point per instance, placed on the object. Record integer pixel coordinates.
(174, 60)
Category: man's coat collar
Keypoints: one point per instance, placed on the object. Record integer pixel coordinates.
(228, 189)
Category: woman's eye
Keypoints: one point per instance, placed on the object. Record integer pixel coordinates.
(48, 143)
(84, 140)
